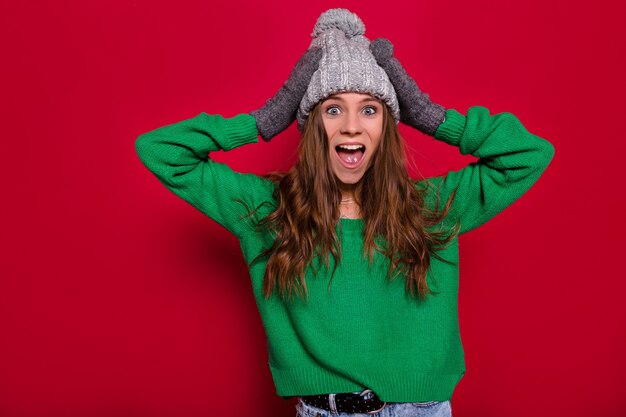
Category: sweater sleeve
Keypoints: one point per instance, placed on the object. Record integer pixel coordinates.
(510, 161)
(179, 156)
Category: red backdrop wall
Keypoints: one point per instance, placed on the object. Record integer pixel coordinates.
(119, 299)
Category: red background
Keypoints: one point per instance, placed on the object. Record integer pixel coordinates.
(119, 299)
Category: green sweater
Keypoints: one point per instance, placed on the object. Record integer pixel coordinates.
(365, 332)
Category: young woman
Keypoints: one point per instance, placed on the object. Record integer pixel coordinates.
(354, 265)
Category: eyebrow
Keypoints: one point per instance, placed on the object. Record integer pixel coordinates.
(363, 100)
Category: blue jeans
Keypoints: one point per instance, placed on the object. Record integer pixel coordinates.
(427, 409)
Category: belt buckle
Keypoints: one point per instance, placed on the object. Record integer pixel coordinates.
(366, 393)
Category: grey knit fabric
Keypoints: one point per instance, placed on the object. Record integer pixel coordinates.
(347, 64)
(416, 108)
(280, 111)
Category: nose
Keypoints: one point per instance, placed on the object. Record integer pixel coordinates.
(351, 124)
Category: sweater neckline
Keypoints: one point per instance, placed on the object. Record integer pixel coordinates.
(348, 225)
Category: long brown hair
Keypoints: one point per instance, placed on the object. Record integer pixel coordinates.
(392, 207)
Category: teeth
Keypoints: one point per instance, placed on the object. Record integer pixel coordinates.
(351, 147)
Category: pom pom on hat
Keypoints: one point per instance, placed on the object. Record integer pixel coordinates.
(344, 20)
(347, 64)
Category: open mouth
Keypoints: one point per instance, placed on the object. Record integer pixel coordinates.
(350, 156)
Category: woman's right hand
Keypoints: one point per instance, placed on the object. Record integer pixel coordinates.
(280, 111)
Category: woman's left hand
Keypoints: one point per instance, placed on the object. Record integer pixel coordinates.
(416, 109)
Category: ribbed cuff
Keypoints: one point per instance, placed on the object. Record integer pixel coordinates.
(451, 130)
(240, 130)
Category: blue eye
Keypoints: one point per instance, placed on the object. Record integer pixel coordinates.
(369, 110)
(333, 110)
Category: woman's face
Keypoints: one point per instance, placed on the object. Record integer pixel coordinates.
(354, 126)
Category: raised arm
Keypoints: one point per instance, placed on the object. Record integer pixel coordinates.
(179, 154)
(511, 159)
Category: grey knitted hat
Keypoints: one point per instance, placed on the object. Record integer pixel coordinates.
(347, 65)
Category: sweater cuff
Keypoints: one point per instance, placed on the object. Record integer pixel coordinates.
(240, 130)
(451, 130)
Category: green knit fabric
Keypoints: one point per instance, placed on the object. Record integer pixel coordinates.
(361, 331)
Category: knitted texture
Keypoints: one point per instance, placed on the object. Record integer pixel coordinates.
(280, 111)
(416, 108)
(358, 331)
(347, 64)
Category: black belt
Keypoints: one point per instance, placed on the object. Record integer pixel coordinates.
(365, 402)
